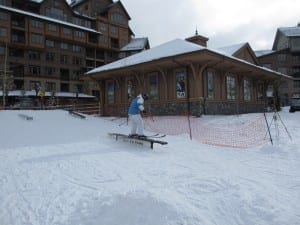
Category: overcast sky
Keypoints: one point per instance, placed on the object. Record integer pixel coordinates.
(223, 22)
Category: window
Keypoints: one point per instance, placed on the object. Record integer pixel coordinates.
(153, 81)
(113, 30)
(110, 92)
(50, 86)
(56, 13)
(117, 17)
(103, 26)
(77, 60)
(50, 43)
(76, 48)
(130, 90)
(38, 39)
(50, 56)
(3, 16)
(247, 90)
(2, 50)
(181, 84)
(76, 21)
(230, 87)
(49, 70)
(64, 59)
(66, 31)
(295, 44)
(34, 70)
(87, 24)
(34, 55)
(103, 39)
(52, 27)
(281, 57)
(37, 24)
(296, 83)
(260, 91)
(35, 85)
(79, 34)
(64, 46)
(210, 84)
(3, 32)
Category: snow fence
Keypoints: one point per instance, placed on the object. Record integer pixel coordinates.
(237, 131)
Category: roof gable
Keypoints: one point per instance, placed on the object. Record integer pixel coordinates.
(137, 44)
(283, 34)
(113, 6)
(242, 51)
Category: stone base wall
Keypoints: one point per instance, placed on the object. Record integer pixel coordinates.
(226, 108)
(195, 109)
(209, 108)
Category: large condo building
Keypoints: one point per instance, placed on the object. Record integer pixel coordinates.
(285, 58)
(48, 44)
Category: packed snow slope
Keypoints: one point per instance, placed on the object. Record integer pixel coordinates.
(62, 170)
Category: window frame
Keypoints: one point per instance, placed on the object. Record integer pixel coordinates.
(210, 82)
(110, 90)
(247, 90)
(180, 85)
(231, 93)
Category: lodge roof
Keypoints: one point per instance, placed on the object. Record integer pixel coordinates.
(172, 49)
(231, 49)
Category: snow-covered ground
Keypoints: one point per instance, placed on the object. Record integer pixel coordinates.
(61, 170)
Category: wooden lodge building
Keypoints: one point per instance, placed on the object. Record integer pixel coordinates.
(184, 77)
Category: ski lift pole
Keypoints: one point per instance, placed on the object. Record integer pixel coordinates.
(284, 126)
(268, 128)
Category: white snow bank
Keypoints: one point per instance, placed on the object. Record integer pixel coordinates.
(58, 169)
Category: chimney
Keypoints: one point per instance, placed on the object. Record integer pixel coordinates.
(198, 39)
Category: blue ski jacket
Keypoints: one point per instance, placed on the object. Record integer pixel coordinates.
(136, 105)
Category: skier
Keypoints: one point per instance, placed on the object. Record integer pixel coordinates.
(134, 113)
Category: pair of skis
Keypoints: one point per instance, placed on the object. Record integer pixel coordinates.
(150, 139)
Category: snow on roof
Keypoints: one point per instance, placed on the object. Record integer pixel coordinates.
(135, 44)
(263, 52)
(48, 19)
(231, 49)
(290, 31)
(171, 48)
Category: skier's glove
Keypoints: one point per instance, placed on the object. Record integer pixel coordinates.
(144, 112)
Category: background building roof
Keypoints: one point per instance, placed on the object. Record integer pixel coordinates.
(137, 44)
(290, 31)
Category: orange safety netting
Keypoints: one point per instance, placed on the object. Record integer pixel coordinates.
(233, 131)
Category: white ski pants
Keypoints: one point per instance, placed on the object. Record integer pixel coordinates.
(137, 124)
